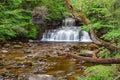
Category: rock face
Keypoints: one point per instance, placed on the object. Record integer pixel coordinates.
(42, 77)
(39, 14)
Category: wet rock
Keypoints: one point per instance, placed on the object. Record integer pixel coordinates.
(61, 48)
(67, 49)
(8, 76)
(1, 58)
(60, 73)
(6, 45)
(20, 43)
(1, 64)
(61, 78)
(40, 54)
(75, 47)
(38, 70)
(42, 77)
(80, 67)
(25, 64)
(30, 45)
(30, 40)
(23, 77)
(29, 51)
(17, 46)
(5, 51)
(1, 79)
(55, 53)
(71, 73)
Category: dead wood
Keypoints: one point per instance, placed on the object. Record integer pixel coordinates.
(94, 60)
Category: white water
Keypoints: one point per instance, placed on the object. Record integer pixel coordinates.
(67, 33)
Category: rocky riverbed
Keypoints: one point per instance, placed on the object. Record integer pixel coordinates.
(40, 61)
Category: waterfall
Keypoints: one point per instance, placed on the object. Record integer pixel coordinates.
(67, 33)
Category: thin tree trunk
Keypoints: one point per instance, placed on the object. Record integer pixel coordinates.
(81, 17)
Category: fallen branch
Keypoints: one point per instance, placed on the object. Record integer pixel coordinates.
(94, 60)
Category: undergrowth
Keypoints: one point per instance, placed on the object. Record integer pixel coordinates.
(100, 72)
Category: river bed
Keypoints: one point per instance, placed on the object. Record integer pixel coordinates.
(18, 61)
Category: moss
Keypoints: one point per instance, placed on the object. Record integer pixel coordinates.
(100, 72)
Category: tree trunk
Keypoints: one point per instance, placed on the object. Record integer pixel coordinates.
(80, 17)
(94, 60)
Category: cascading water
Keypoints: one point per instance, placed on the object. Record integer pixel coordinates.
(67, 33)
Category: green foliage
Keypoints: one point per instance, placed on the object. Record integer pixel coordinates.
(15, 19)
(103, 14)
(15, 15)
(113, 35)
(32, 33)
(56, 9)
(116, 54)
(100, 72)
(104, 53)
(85, 28)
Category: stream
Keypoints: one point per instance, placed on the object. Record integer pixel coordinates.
(33, 61)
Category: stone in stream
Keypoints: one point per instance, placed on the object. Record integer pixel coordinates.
(42, 77)
(4, 51)
(28, 51)
(1, 79)
(60, 73)
(1, 64)
(6, 45)
(17, 46)
(67, 49)
(1, 58)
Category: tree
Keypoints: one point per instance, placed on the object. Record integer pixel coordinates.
(85, 20)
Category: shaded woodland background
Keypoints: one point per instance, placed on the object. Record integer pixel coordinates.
(18, 17)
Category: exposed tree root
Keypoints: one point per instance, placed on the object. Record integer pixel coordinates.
(99, 41)
(94, 60)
